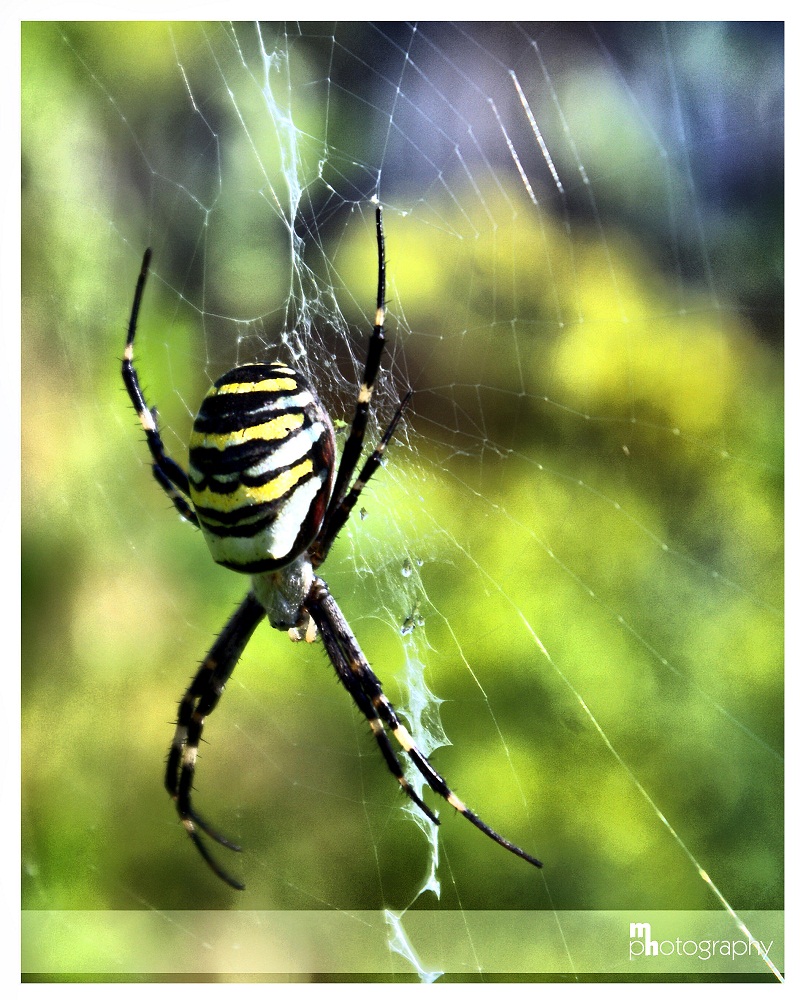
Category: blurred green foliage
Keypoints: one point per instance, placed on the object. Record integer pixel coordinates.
(593, 506)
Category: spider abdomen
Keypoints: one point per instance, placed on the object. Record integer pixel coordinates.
(260, 467)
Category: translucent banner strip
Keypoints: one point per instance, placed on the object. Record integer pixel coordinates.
(457, 943)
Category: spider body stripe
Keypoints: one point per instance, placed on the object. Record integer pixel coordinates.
(250, 468)
(284, 457)
(252, 462)
(271, 430)
(272, 537)
(229, 495)
(230, 414)
(252, 398)
(243, 520)
(271, 379)
(259, 485)
(264, 385)
(267, 543)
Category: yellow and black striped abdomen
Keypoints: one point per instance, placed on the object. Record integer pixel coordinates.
(260, 467)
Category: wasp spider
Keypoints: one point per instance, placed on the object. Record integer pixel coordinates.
(260, 487)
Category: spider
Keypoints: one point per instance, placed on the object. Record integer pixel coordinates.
(260, 487)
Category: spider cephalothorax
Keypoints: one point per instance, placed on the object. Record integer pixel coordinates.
(260, 486)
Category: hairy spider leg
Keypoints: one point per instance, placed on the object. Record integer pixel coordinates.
(180, 502)
(340, 661)
(198, 702)
(337, 517)
(168, 473)
(353, 446)
(345, 653)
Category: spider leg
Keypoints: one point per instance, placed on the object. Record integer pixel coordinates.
(347, 656)
(353, 446)
(350, 680)
(180, 502)
(337, 516)
(198, 702)
(168, 473)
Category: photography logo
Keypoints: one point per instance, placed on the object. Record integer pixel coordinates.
(644, 945)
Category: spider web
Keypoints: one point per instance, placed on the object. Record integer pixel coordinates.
(568, 573)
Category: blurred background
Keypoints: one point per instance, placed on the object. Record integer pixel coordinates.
(569, 573)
